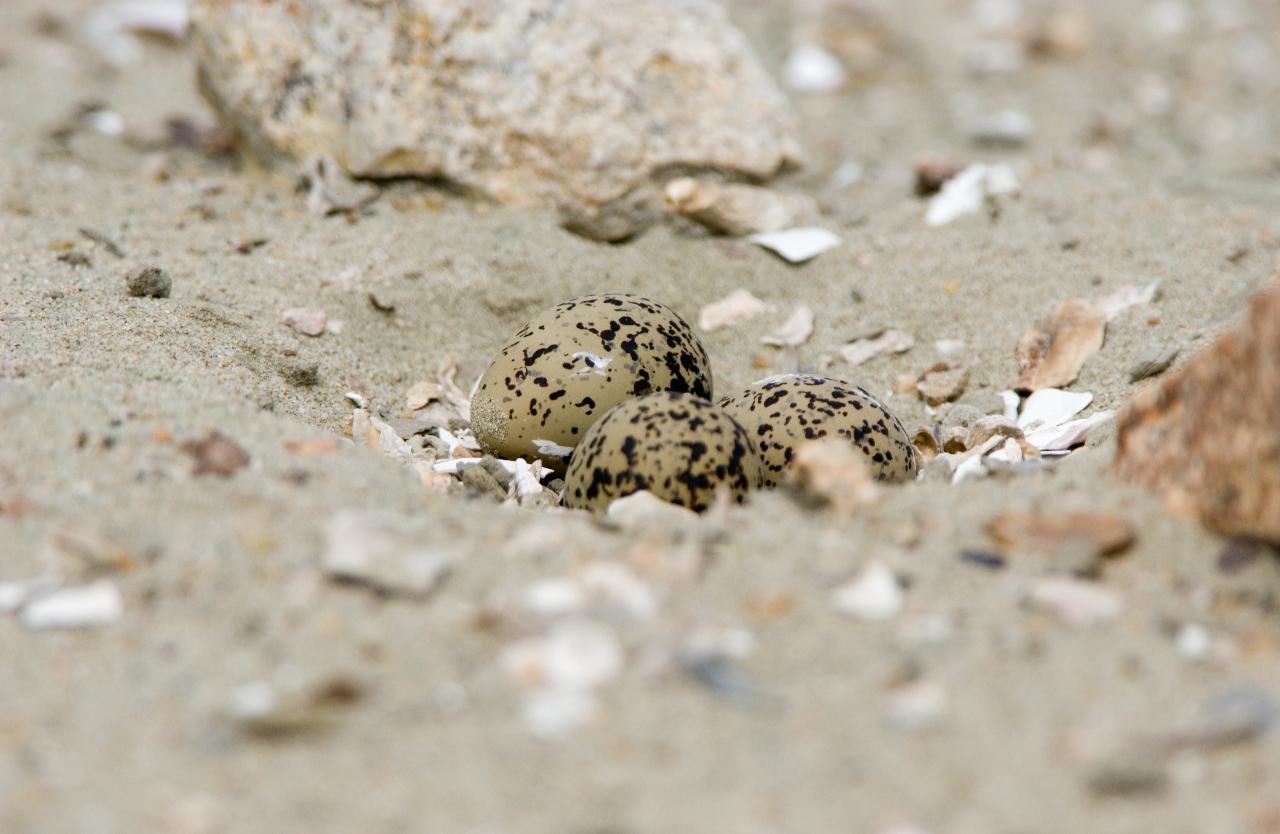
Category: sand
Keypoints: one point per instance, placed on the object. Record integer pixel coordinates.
(124, 727)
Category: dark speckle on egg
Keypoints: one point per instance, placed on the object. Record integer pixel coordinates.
(679, 447)
(784, 411)
(569, 365)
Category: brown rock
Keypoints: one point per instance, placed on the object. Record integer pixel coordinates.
(1208, 436)
(216, 455)
(1051, 354)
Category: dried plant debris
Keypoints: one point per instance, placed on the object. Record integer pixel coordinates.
(738, 306)
(876, 344)
(797, 245)
(1205, 435)
(1051, 354)
(795, 331)
(215, 454)
(735, 209)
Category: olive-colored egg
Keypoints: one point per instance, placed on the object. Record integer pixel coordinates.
(783, 411)
(680, 448)
(571, 364)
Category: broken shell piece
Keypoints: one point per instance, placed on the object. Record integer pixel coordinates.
(1009, 128)
(917, 706)
(1128, 296)
(832, 472)
(1068, 435)
(1104, 534)
(305, 320)
(422, 394)
(888, 341)
(333, 190)
(812, 69)
(575, 654)
(797, 245)
(110, 29)
(1075, 601)
(873, 595)
(1051, 354)
(942, 383)
(737, 306)
(1052, 407)
(984, 428)
(967, 191)
(795, 331)
(736, 209)
(98, 603)
(384, 551)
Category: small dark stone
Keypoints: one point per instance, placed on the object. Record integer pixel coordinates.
(148, 282)
(75, 259)
(983, 559)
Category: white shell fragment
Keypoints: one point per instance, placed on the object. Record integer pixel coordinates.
(812, 69)
(1075, 601)
(797, 245)
(1052, 407)
(890, 341)
(1067, 435)
(1004, 127)
(95, 604)
(737, 306)
(968, 190)
(111, 29)
(918, 706)
(1130, 295)
(332, 190)
(795, 331)
(560, 670)
(526, 481)
(873, 595)
(384, 551)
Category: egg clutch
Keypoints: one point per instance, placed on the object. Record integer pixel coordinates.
(614, 391)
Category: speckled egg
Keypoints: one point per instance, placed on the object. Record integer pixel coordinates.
(783, 411)
(680, 448)
(564, 369)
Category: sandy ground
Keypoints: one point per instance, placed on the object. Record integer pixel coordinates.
(1029, 724)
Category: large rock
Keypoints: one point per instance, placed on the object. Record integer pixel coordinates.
(1208, 435)
(575, 102)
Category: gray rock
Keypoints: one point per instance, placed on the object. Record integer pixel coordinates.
(1154, 362)
(148, 282)
(575, 104)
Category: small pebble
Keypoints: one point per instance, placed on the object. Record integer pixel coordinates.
(873, 595)
(148, 282)
(302, 375)
(1153, 363)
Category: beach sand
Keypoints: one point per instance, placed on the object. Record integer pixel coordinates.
(966, 712)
